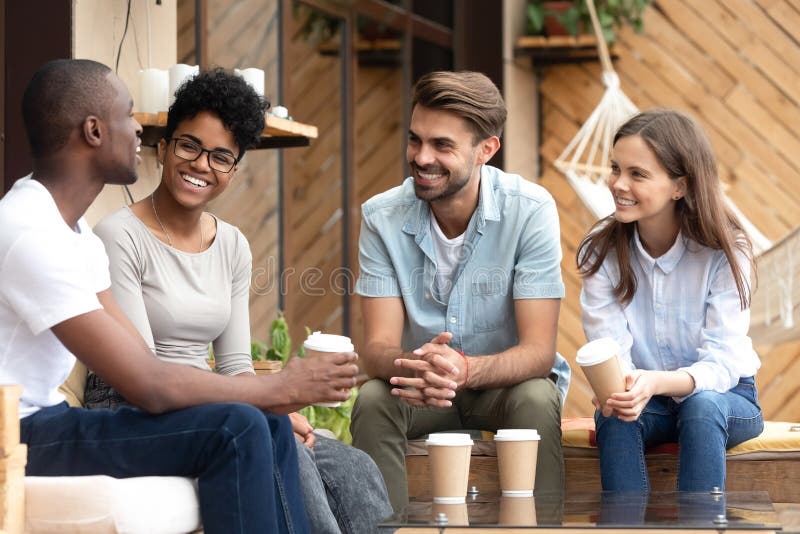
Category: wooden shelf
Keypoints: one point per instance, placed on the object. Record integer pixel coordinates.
(370, 52)
(278, 133)
(559, 49)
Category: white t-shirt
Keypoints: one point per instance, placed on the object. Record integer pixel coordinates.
(449, 255)
(49, 273)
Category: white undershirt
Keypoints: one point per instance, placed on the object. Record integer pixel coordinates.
(448, 258)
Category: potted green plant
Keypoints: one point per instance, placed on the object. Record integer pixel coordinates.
(572, 16)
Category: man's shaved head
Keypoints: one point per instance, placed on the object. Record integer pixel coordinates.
(61, 94)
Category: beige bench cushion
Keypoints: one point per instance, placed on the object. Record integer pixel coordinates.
(778, 441)
(73, 388)
(101, 504)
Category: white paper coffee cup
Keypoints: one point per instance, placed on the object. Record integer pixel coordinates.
(449, 456)
(318, 342)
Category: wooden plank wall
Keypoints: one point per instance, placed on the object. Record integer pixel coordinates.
(380, 147)
(735, 66)
(313, 182)
(244, 35)
(313, 194)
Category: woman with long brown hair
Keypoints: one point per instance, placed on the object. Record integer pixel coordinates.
(667, 276)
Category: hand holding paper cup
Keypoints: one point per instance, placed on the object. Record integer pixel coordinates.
(449, 456)
(599, 360)
(318, 343)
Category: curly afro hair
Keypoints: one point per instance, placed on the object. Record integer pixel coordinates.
(226, 95)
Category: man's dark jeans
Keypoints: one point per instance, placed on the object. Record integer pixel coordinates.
(245, 461)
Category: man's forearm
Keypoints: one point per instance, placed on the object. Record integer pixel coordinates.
(510, 367)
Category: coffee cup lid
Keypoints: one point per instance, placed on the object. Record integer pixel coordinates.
(448, 439)
(517, 434)
(328, 343)
(597, 351)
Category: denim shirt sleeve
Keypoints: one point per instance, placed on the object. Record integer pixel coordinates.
(537, 272)
(377, 277)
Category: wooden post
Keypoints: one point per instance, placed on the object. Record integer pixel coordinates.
(13, 457)
(9, 418)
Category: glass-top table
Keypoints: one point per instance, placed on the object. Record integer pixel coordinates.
(675, 511)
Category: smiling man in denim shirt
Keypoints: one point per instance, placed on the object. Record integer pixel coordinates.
(461, 283)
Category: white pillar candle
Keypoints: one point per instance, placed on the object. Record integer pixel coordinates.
(253, 76)
(177, 75)
(153, 90)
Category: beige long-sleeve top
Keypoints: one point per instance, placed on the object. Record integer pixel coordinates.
(181, 302)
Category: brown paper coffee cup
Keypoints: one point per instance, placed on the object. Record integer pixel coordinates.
(517, 452)
(599, 361)
(520, 511)
(449, 455)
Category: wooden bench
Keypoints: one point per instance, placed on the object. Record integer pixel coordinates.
(768, 463)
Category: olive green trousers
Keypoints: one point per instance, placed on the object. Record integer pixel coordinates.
(382, 424)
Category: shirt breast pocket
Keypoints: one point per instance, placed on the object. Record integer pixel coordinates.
(491, 305)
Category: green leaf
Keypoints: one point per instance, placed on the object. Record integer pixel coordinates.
(570, 19)
(337, 420)
(609, 35)
(535, 18)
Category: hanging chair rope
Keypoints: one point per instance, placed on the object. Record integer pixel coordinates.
(602, 47)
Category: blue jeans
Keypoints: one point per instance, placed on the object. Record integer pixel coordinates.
(705, 425)
(244, 486)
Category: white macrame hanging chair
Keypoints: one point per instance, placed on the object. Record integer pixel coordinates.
(585, 159)
(585, 163)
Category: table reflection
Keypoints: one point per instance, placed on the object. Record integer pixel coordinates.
(662, 510)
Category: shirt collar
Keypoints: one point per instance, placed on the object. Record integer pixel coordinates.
(418, 217)
(669, 260)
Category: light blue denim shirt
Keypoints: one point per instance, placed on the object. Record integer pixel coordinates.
(685, 314)
(512, 250)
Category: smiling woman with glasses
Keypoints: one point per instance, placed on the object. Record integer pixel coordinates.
(183, 278)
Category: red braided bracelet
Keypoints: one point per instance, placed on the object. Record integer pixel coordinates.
(466, 367)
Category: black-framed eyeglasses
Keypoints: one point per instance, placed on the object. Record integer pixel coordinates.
(190, 151)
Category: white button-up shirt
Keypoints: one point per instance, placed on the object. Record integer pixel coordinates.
(685, 314)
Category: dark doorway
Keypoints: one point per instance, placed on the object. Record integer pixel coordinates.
(34, 31)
